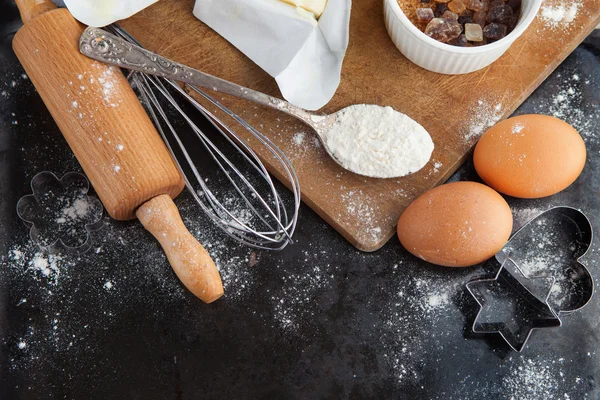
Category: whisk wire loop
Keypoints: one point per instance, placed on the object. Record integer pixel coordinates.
(269, 224)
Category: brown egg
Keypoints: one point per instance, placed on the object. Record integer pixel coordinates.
(456, 225)
(530, 156)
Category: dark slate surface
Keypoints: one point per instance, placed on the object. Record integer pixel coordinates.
(318, 320)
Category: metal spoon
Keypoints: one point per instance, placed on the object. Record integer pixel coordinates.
(101, 45)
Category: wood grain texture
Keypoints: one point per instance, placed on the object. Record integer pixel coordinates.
(99, 115)
(30, 9)
(456, 110)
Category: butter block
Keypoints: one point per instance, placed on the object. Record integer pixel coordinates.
(314, 6)
(303, 54)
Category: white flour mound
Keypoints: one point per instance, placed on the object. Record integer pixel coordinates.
(379, 141)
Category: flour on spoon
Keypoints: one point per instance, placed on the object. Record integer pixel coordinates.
(378, 142)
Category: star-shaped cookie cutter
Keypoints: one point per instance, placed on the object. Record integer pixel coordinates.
(529, 313)
(530, 298)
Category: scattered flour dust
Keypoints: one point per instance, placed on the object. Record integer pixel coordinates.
(379, 141)
(293, 304)
(534, 379)
(517, 128)
(485, 114)
(299, 138)
(415, 310)
(569, 105)
(108, 81)
(561, 15)
(523, 215)
(80, 209)
(364, 209)
(47, 267)
(435, 296)
(435, 167)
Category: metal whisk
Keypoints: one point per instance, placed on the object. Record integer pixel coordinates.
(266, 222)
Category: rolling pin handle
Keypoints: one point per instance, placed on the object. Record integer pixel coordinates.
(190, 261)
(31, 9)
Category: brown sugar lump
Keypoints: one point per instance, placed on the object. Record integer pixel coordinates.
(495, 31)
(443, 29)
(496, 19)
(473, 32)
(457, 6)
(424, 14)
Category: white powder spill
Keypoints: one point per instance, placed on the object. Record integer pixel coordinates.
(15, 254)
(120, 147)
(297, 295)
(379, 141)
(117, 168)
(40, 265)
(535, 379)
(107, 80)
(21, 345)
(435, 296)
(517, 128)
(364, 209)
(568, 104)
(415, 310)
(80, 209)
(299, 138)
(108, 285)
(523, 215)
(559, 16)
(484, 115)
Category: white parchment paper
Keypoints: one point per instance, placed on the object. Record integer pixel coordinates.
(302, 54)
(100, 13)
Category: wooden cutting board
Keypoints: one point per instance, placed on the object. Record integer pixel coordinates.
(456, 110)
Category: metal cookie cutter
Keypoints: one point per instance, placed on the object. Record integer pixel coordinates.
(541, 277)
(60, 214)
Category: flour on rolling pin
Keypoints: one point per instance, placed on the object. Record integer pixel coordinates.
(102, 80)
(112, 137)
(379, 141)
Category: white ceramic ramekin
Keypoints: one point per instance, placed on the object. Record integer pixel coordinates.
(444, 58)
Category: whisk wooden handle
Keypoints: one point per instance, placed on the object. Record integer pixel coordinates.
(189, 259)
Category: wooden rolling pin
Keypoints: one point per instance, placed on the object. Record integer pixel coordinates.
(112, 137)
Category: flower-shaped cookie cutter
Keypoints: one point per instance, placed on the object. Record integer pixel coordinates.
(60, 214)
(541, 277)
